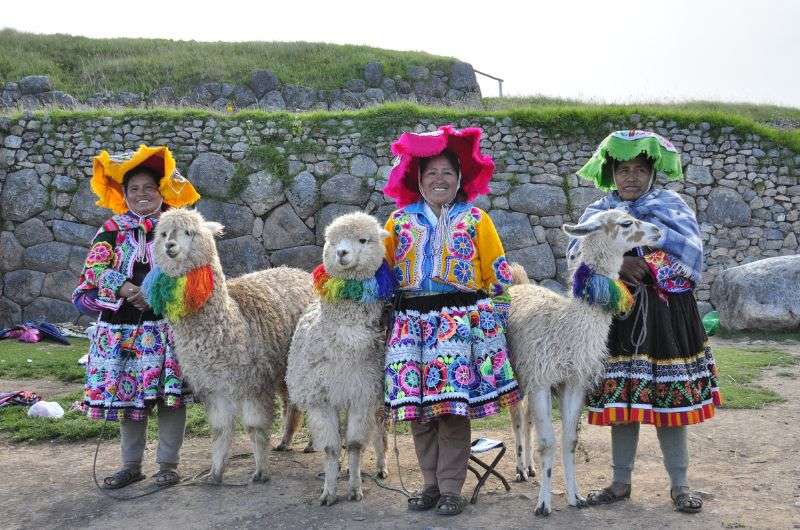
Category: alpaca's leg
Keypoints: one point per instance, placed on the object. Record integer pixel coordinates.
(570, 403)
(380, 440)
(545, 438)
(292, 416)
(221, 412)
(529, 437)
(325, 426)
(360, 422)
(257, 419)
(518, 422)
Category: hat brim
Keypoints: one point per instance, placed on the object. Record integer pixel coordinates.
(109, 171)
(476, 168)
(626, 145)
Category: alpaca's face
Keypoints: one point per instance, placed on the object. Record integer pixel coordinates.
(353, 246)
(620, 231)
(184, 241)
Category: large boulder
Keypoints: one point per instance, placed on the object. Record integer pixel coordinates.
(762, 295)
(211, 174)
(238, 220)
(241, 255)
(35, 84)
(283, 229)
(345, 189)
(304, 257)
(84, 208)
(727, 208)
(514, 229)
(538, 199)
(263, 193)
(23, 196)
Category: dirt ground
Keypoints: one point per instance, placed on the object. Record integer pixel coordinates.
(746, 462)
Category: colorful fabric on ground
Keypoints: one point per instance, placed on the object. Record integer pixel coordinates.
(177, 297)
(625, 145)
(129, 368)
(666, 209)
(450, 361)
(20, 397)
(379, 288)
(472, 257)
(110, 261)
(596, 289)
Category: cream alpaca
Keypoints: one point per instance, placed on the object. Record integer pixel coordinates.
(234, 347)
(560, 342)
(336, 356)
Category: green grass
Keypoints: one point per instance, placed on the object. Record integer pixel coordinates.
(384, 122)
(739, 367)
(42, 360)
(765, 114)
(82, 66)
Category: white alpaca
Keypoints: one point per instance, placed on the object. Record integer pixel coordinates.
(336, 356)
(234, 348)
(559, 343)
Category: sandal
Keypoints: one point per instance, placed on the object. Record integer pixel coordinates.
(166, 477)
(424, 500)
(607, 496)
(451, 505)
(687, 502)
(123, 477)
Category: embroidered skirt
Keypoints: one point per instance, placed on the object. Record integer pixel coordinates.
(131, 367)
(671, 380)
(448, 358)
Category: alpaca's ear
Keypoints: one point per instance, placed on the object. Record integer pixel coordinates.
(383, 234)
(214, 227)
(581, 230)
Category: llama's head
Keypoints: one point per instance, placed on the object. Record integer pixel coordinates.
(353, 246)
(610, 234)
(184, 241)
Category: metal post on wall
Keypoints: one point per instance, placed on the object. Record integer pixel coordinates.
(499, 81)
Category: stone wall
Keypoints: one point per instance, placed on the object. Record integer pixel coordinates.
(456, 87)
(276, 182)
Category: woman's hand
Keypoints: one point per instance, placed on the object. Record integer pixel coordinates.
(633, 270)
(134, 295)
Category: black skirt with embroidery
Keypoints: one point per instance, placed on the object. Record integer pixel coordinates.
(670, 378)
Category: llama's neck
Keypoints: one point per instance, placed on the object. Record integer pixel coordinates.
(598, 290)
(375, 290)
(600, 257)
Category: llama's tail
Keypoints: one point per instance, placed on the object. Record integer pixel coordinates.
(518, 274)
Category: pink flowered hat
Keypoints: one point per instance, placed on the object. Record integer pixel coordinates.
(476, 169)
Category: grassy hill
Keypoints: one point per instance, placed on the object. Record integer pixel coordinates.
(81, 66)
(782, 117)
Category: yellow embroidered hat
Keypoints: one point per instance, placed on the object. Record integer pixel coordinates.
(109, 169)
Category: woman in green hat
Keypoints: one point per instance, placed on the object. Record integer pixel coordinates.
(660, 369)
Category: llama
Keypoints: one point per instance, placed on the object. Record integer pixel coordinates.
(232, 335)
(559, 342)
(336, 356)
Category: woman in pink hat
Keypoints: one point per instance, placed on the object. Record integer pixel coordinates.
(446, 360)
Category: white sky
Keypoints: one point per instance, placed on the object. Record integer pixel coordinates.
(604, 50)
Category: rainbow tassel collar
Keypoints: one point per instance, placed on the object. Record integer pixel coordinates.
(596, 289)
(377, 289)
(177, 297)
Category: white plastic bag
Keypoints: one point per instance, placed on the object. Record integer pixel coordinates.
(46, 409)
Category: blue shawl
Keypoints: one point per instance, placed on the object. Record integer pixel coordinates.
(665, 209)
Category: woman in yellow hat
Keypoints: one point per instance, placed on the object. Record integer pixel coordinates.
(132, 363)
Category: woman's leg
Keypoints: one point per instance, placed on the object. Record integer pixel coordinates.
(426, 445)
(624, 441)
(171, 428)
(133, 436)
(676, 455)
(454, 441)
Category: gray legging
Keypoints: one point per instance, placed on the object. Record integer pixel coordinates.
(625, 438)
(171, 427)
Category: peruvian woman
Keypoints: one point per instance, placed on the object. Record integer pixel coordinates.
(132, 366)
(660, 370)
(446, 359)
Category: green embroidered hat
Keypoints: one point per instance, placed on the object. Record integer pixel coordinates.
(626, 145)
